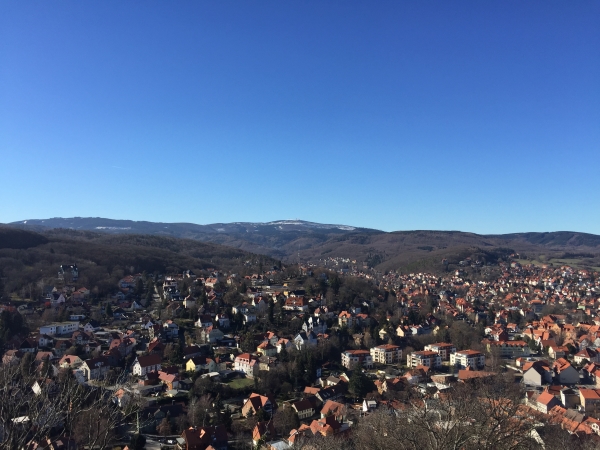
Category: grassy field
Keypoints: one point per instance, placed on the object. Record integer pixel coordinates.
(241, 383)
(557, 262)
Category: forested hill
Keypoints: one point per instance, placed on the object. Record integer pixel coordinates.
(27, 257)
(278, 239)
(301, 241)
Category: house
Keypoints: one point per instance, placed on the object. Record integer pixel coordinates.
(356, 358)
(369, 405)
(335, 409)
(346, 319)
(327, 426)
(190, 351)
(537, 373)
(121, 397)
(441, 348)
(266, 362)
(171, 329)
(247, 363)
(223, 321)
(386, 354)
(95, 368)
(296, 304)
(156, 347)
(283, 343)
(315, 325)
(144, 364)
(543, 401)
(424, 358)
(124, 345)
(205, 438)
(211, 335)
(61, 346)
(45, 340)
(467, 358)
(332, 392)
(305, 408)
(249, 317)
(91, 326)
(263, 431)
(204, 321)
(70, 362)
(256, 402)
(12, 357)
(588, 354)
(198, 363)
(189, 302)
(170, 380)
(564, 372)
(267, 349)
(304, 339)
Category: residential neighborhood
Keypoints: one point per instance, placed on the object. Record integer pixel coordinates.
(291, 361)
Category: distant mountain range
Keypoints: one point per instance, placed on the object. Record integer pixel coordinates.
(298, 240)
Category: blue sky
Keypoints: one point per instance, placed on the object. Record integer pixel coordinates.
(473, 116)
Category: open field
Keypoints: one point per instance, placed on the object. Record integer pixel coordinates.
(240, 383)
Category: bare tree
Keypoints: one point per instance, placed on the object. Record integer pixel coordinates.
(199, 410)
(32, 406)
(487, 414)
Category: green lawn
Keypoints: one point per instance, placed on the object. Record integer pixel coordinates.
(241, 383)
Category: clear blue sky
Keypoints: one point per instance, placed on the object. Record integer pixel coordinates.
(474, 116)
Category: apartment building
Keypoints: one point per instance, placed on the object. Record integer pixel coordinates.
(354, 358)
(468, 358)
(590, 401)
(510, 349)
(386, 354)
(425, 358)
(442, 348)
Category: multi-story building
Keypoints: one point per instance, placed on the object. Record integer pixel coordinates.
(354, 358)
(442, 348)
(467, 358)
(59, 328)
(247, 364)
(510, 349)
(425, 358)
(590, 401)
(386, 354)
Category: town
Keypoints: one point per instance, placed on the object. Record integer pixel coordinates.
(300, 355)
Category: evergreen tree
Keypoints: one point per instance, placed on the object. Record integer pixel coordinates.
(359, 384)
(271, 310)
(283, 354)
(137, 442)
(26, 364)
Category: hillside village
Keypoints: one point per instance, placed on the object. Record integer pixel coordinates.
(281, 357)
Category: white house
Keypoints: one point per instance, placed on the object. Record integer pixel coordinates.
(304, 339)
(145, 364)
